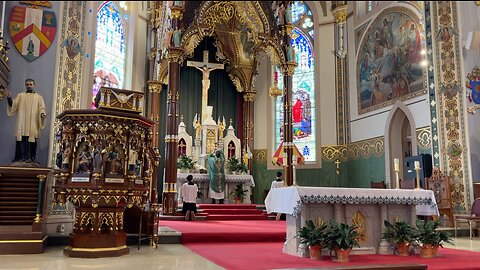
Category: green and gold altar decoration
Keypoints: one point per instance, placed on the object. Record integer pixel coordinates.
(104, 165)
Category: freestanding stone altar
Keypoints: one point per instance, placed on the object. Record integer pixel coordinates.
(103, 166)
(364, 207)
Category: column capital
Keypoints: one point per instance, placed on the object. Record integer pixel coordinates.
(288, 68)
(154, 86)
(340, 14)
(175, 54)
(249, 96)
(176, 12)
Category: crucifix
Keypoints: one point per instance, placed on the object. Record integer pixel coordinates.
(338, 166)
(205, 67)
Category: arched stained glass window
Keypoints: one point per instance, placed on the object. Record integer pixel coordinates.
(303, 98)
(110, 48)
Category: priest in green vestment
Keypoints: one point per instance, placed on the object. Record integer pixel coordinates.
(216, 173)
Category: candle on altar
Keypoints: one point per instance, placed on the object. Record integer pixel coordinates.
(294, 175)
(284, 158)
(417, 165)
(397, 164)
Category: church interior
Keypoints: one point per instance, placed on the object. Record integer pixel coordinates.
(212, 134)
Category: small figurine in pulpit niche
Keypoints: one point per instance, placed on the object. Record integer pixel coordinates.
(84, 160)
(97, 159)
(132, 160)
(66, 156)
(115, 161)
(59, 158)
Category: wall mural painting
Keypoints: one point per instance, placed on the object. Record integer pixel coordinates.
(389, 63)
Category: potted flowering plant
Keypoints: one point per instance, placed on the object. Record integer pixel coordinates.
(314, 237)
(342, 238)
(185, 163)
(401, 234)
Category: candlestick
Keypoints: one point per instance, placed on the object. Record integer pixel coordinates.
(397, 180)
(417, 165)
(396, 162)
(294, 175)
(418, 177)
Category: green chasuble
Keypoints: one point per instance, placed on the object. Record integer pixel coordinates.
(216, 172)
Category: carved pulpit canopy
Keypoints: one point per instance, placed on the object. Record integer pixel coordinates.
(119, 99)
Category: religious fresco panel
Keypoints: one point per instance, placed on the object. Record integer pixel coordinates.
(390, 63)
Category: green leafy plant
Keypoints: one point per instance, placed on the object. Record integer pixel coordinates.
(428, 233)
(239, 192)
(233, 164)
(313, 235)
(242, 168)
(399, 232)
(185, 162)
(341, 236)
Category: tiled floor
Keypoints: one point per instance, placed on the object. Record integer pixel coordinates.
(167, 256)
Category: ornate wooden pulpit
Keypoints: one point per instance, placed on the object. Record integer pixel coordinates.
(104, 165)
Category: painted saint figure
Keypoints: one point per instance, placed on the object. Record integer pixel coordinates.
(31, 114)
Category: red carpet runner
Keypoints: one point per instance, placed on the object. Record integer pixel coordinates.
(232, 212)
(258, 244)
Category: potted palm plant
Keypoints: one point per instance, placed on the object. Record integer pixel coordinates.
(239, 194)
(341, 238)
(430, 238)
(314, 237)
(401, 234)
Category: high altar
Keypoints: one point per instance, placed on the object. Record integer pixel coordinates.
(209, 136)
(104, 165)
(365, 208)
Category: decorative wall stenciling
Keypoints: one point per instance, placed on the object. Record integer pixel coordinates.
(424, 138)
(364, 149)
(450, 101)
(70, 67)
(389, 63)
(32, 30)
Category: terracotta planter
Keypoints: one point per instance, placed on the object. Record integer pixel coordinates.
(315, 252)
(343, 255)
(435, 250)
(427, 252)
(238, 201)
(402, 249)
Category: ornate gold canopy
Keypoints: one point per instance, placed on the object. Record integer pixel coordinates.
(241, 30)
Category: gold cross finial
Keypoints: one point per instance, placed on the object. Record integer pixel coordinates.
(231, 121)
(181, 118)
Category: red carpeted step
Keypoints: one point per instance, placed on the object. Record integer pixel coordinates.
(237, 217)
(232, 211)
(227, 206)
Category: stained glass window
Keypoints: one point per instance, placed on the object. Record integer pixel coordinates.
(110, 48)
(369, 6)
(303, 97)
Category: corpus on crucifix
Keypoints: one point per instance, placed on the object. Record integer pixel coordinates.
(205, 67)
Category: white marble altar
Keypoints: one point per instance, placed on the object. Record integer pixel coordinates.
(231, 181)
(367, 208)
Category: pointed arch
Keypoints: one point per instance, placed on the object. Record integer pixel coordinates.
(399, 109)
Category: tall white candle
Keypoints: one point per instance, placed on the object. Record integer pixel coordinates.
(417, 164)
(4, 3)
(294, 175)
(397, 164)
